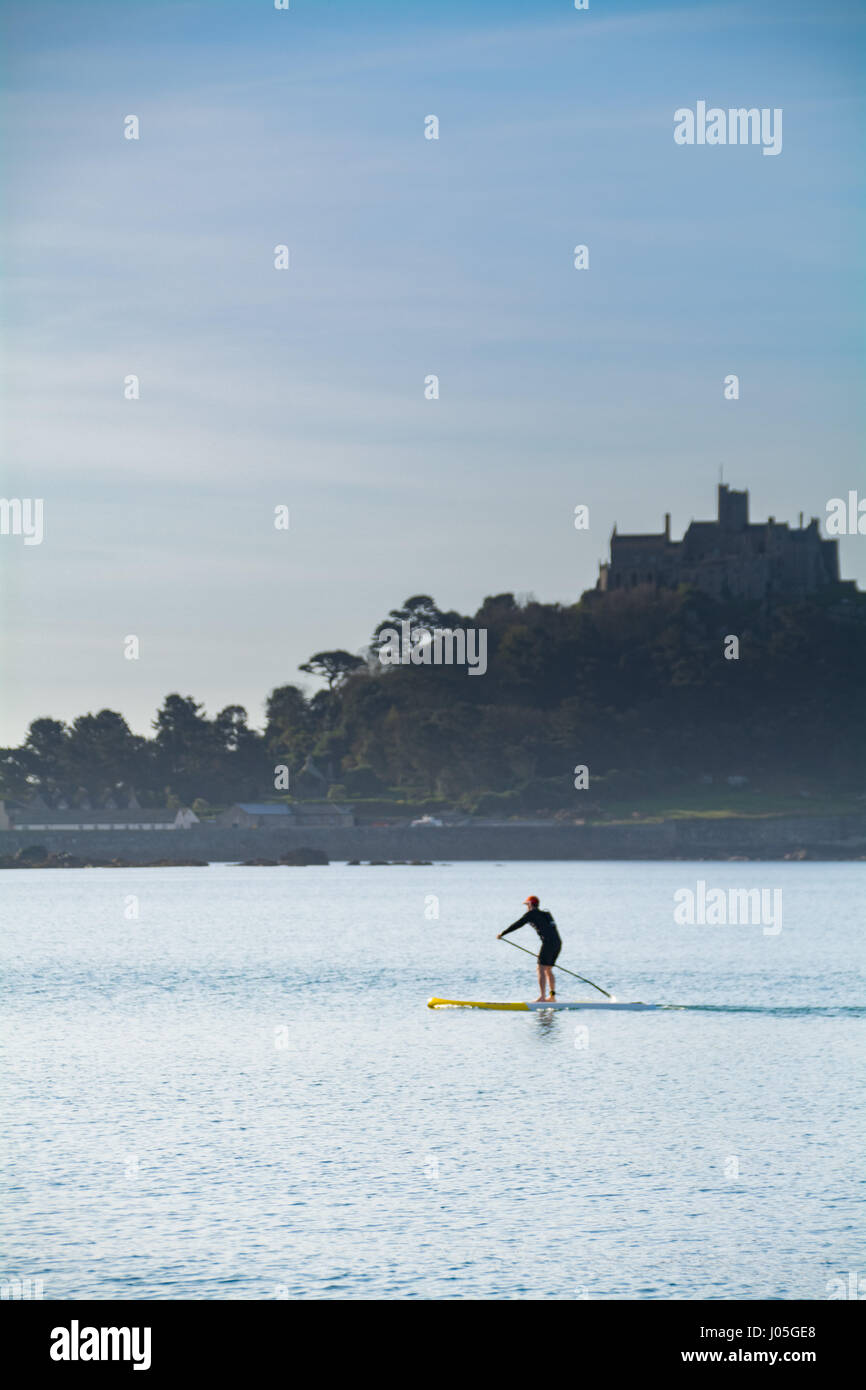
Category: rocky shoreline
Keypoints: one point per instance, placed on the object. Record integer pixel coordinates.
(38, 857)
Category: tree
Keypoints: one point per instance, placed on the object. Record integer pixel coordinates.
(419, 611)
(333, 667)
(181, 727)
(187, 751)
(230, 728)
(41, 763)
(290, 728)
(103, 752)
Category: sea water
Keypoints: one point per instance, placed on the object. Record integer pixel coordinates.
(223, 1083)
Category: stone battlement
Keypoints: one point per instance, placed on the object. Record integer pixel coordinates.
(728, 557)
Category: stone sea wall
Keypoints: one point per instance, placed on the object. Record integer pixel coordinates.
(825, 837)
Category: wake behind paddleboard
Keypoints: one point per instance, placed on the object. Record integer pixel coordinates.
(533, 1007)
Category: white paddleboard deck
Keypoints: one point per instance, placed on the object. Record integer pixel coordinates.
(533, 1007)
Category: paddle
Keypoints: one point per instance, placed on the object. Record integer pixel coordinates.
(558, 967)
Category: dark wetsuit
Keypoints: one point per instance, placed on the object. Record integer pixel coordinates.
(544, 924)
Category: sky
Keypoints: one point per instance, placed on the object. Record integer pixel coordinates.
(408, 257)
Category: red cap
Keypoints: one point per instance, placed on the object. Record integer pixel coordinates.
(532, 900)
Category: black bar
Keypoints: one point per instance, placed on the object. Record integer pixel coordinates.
(219, 1340)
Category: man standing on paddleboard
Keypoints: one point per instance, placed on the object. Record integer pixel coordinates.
(551, 945)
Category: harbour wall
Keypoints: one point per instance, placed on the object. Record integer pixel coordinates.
(824, 837)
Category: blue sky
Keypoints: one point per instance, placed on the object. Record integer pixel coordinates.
(408, 257)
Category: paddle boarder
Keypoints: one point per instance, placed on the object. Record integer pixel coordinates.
(551, 944)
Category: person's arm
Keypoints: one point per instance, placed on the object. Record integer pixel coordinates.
(521, 922)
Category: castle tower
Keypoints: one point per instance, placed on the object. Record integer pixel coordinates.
(733, 509)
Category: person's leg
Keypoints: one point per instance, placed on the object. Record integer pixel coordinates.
(542, 969)
(551, 982)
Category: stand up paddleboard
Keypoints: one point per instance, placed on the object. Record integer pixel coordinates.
(534, 1007)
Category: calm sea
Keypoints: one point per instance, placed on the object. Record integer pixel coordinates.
(224, 1083)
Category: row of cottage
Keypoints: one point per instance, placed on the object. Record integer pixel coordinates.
(246, 815)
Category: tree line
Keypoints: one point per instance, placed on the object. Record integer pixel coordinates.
(633, 684)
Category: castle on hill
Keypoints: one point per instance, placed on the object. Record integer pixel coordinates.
(728, 557)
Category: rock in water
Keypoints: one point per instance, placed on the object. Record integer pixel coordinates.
(299, 858)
